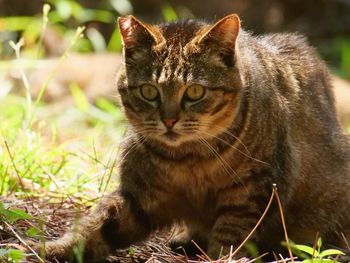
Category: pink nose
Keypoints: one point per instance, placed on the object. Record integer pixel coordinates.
(169, 122)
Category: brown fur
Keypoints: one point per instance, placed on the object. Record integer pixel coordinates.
(268, 117)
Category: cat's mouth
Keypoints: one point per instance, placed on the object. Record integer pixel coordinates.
(171, 135)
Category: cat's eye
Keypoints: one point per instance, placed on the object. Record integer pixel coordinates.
(195, 92)
(149, 92)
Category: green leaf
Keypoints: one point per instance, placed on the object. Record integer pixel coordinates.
(169, 13)
(13, 215)
(64, 9)
(115, 42)
(79, 97)
(306, 249)
(15, 23)
(2, 207)
(131, 251)
(96, 38)
(15, 254)
(252, 250)
(33, 231)
(107, 106)
(78, 251)
(318, 260)
(330, 252)
(319, 243)
(123, 7)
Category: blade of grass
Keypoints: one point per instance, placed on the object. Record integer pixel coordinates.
(17, 48)
(78, 35)
(16, 170)
(46, 10)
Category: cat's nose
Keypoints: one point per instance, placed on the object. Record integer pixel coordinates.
(169, 122)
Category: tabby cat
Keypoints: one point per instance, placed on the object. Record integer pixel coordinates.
(217, 116)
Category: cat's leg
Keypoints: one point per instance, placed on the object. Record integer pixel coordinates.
(186, 238)
(232, 225)
(115, 223)
(180, 236)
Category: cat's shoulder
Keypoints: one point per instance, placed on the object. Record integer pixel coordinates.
(286, 42)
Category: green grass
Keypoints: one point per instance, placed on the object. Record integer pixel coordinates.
(58, 152)
(53, 151)
(65, 149)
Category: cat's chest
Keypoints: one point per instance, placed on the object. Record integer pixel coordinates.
(195, 179)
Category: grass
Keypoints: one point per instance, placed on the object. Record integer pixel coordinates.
(52, 152)
(57, 152)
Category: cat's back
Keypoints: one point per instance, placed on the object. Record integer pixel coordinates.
(287, 67)
(289, 80)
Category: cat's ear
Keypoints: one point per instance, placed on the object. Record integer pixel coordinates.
(225, 32)
(136, 33)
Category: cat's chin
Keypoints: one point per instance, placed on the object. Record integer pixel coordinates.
(171, 139)
(171, 136)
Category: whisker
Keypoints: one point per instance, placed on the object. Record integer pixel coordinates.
(226, 131)
(235, 148)
(138, 142)
(225, 165)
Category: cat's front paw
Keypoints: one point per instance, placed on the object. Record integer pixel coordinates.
(184, 242)
(52, 251)
(63, 251)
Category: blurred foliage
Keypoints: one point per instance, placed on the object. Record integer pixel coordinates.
(63, 19)
(39, 147)
(66, 15)
(336, 52)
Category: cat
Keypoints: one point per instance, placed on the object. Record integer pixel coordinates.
(217, 116)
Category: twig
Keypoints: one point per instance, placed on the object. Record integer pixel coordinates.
(275, 256)
(258, 223)
(257, 258)
(346, 241)
(23, 242)
(282, 259)
(283, 222)
(201, 250)
(12, 245)
(315, 244)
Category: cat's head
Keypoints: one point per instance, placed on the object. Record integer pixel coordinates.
(180, 81)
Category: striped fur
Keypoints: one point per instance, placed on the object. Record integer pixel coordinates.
(267, 117)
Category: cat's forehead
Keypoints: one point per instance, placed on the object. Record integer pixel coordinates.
(180, 32)
(172, 64)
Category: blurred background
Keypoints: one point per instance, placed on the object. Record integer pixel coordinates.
(325, 22)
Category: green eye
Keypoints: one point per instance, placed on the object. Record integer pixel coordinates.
(149, 92)
(195, 92)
